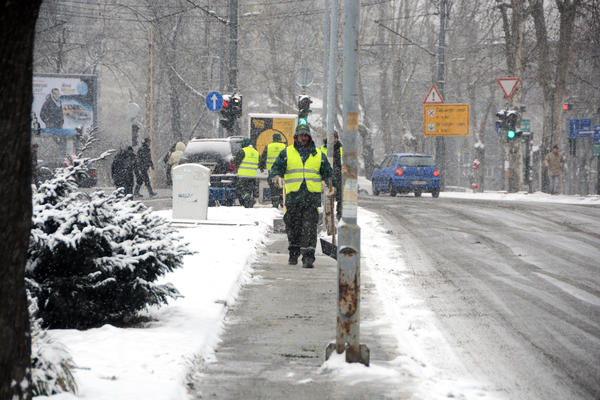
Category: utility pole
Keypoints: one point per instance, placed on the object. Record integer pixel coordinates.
(440, 143)
(233, 43)
(325, 62)
(348, 257)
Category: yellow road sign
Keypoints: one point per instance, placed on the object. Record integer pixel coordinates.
(446, 119)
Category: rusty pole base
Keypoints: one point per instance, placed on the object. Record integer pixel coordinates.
(363, 355)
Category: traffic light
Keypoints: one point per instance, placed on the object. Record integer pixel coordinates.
(227, 118)
(304, 103)
(501, 121)
(236, 105)
(511, 125)
(567, 107)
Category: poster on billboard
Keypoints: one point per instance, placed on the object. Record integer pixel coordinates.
(62, 103)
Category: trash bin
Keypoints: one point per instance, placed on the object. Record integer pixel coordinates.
(190, 191)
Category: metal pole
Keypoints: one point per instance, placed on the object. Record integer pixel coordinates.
(440, 144)
(325, 64)
(348, 314)
(331, 91)
(233, 39)
(233, 67)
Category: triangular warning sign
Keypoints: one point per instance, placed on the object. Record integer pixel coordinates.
(433, 97)
(508, 85)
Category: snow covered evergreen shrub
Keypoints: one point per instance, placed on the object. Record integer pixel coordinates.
(95, 258)
(51, 363)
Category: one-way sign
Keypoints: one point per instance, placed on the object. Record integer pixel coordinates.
(214, 101)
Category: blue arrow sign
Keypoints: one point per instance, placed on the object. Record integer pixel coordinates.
(214, 101)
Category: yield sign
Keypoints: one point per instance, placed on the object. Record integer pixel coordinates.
(433, 97)
(508, 85)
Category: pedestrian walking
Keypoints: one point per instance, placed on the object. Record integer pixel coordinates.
(554, 162)
(337, 170)
(174, 159)
(35, 169)
(246, 161)
(144, 161)
(300, 169)
(123, 169)
(267, 159)
(167, 167)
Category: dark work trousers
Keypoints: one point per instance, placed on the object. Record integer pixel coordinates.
(245, 188)
(142, 177)
(276, 194)
(301, 229)
(338, 196)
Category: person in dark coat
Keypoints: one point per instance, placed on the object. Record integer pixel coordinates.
(144, 161)
(337, 170)
(51, 112)
(35, 169)
(300, 169)
(123, 168)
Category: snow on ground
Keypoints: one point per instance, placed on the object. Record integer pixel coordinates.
(149, 362)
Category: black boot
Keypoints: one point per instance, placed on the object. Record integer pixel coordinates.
(293, 260)
(308, 258)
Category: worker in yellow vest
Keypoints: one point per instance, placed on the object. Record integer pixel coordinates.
(300, 170)
(246, 161)
(337, 169)
(267, 159)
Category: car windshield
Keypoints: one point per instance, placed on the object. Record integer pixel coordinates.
(414, 161)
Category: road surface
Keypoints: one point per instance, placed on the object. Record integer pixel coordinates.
(514, 286)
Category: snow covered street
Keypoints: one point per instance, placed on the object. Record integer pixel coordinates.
(150, 361)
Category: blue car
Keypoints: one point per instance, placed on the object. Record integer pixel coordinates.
(405, 173)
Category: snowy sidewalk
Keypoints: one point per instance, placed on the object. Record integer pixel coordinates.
(275, 336)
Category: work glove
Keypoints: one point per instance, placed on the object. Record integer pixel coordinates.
(279, 182)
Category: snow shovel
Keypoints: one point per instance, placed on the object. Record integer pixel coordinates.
(329, 248)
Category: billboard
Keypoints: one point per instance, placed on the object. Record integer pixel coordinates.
(263, 126)
(62, 103)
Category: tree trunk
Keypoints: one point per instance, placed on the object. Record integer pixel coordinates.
(17, 29)
(553, 85)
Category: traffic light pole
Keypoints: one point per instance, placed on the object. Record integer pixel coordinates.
(440, 143)
(348, 258)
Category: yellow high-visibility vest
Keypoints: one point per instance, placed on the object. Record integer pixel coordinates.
(273, 150)
(249, 164)
(296, 172)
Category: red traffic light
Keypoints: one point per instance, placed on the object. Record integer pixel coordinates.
(566, 107)
(225, 104)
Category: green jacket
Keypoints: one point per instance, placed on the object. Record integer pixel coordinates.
(302, 198)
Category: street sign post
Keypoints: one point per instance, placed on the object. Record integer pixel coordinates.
(446, 119)
(214, 101)
(508, 85)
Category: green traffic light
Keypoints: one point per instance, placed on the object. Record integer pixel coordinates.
(302, 121)
(510, 134)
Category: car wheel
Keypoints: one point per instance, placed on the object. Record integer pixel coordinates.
(435, 193)
(417, 193)
(392, 190)
(374, 188)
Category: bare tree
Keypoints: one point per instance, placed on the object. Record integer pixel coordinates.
(552, 73)
(17, 29)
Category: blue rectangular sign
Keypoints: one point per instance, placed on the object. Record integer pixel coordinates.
(597, 134)
(573, 126)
